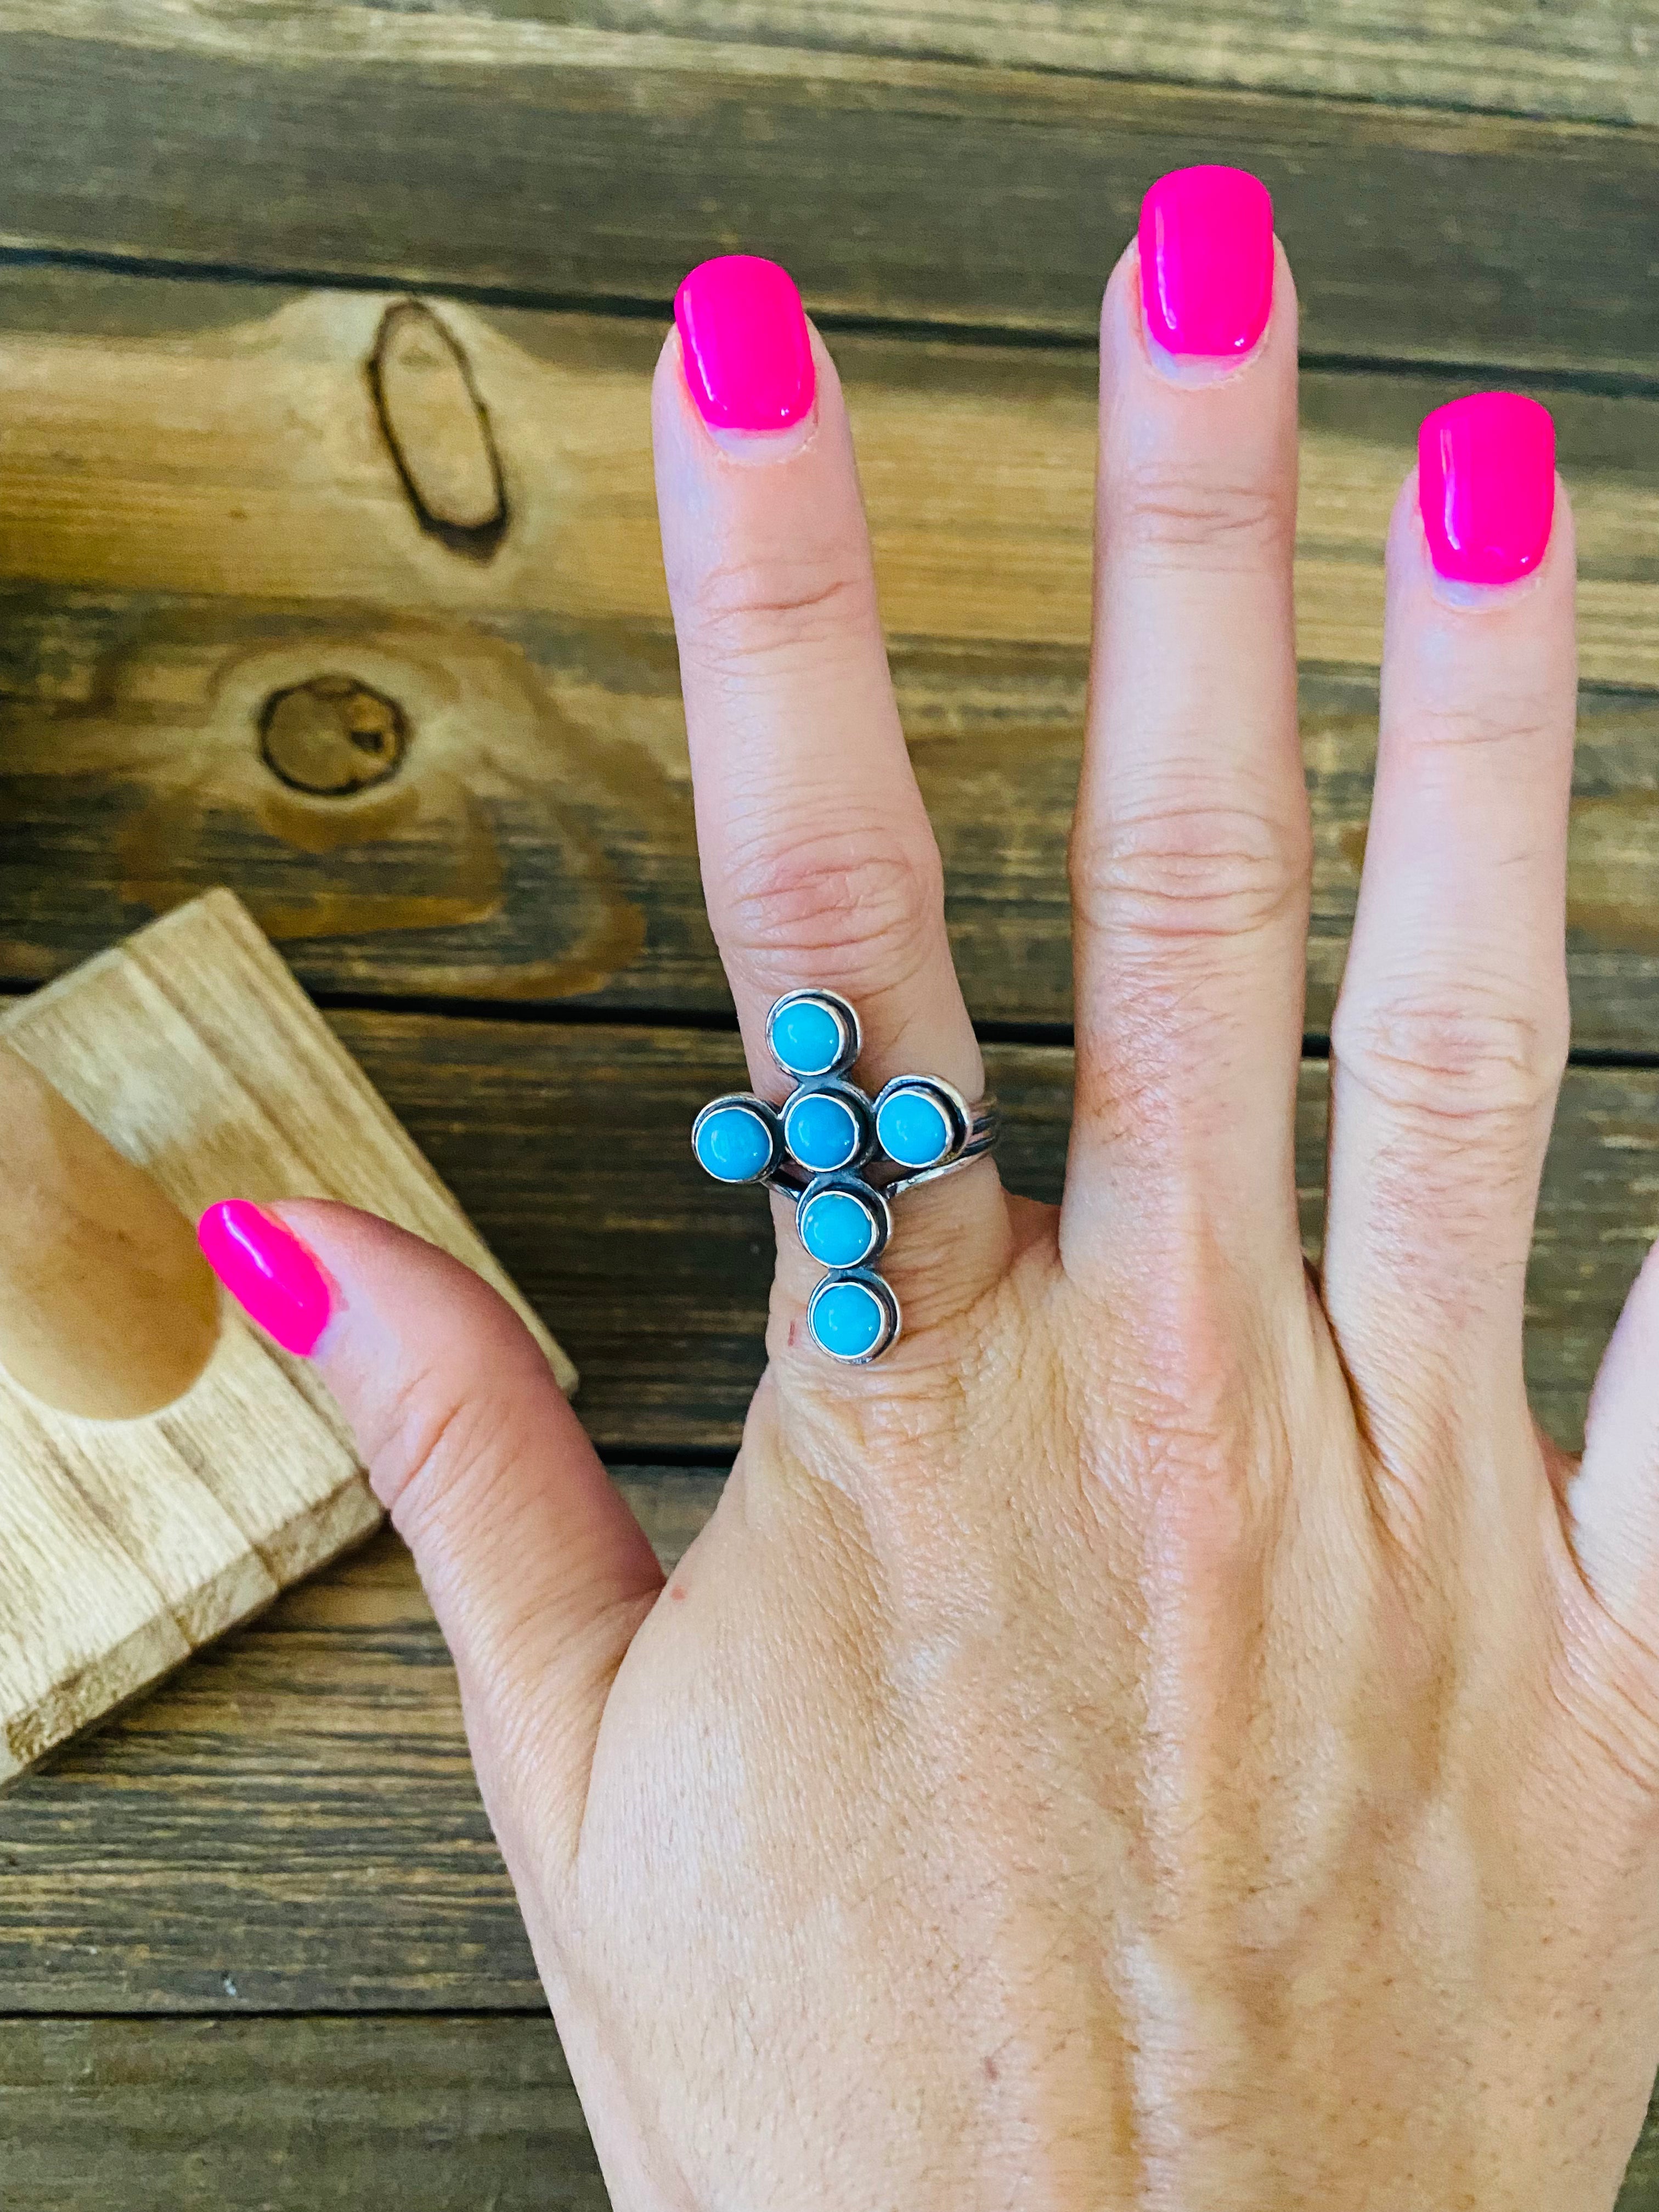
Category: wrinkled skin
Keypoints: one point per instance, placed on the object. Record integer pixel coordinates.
(1171, 1734)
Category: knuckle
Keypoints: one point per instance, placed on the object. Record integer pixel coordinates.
(1193, 1438)
(1446, 1063)
(1191, 869)
(1193, 516)
(747, 613)
(856, 889)
(436, 1439)
(1515, 722)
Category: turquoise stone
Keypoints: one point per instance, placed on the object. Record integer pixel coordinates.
(806, 1038)
(822, 1131)
(734, 1144)
(849, 1320)
(913, 1128)
(838, 1230)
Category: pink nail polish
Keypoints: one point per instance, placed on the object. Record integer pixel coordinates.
(1486, 481)
(742, 333)
(1206, 262)
(267, 1271)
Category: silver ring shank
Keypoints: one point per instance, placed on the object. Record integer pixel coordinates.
(981, 1143)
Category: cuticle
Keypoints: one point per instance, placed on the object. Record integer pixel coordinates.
(1226, 370)
(760, 459)
(1500, 596)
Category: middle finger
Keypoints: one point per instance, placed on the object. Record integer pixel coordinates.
(1191, 849)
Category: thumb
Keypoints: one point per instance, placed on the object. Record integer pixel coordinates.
(1614, 1499)
(537, 1572)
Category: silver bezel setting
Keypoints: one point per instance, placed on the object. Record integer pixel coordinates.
(881, 1291)
(852, 1186)
(769, 1119)
(852, 1035)
(958, 1117)
(863, 1120)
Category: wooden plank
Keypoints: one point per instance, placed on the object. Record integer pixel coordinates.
(1641, 2190)
(1587, 59)
(292, 2115)
(290, 1822)
(306, 2114)
(152, 447)
(452, 149)
(577, 878)
(205, 517)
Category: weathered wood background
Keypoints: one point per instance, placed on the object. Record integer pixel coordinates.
(328, 569)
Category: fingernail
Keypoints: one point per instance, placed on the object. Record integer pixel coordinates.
(268, 1271)
(1486, 481)
(1206, 262)
(743, 333)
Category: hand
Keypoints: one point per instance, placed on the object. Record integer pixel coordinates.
(1172, 1733)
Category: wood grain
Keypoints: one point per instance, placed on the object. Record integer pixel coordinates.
(204, 515)
(153, 448)
(308, 2115)
(1590, 60)
(553, 160)
(124, 1545)
(292, 2115)
(289, 1823)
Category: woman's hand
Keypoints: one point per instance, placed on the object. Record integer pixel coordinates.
(1171, 1733)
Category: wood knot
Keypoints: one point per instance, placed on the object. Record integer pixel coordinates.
(331, 735)
(438, 431)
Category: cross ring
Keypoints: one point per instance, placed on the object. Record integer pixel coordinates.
(842, 1157)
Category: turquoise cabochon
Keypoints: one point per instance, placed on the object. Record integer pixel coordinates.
(839, 1228)
(913, 1128)
(848, 1318)
(806, 1037)
(734, 1143)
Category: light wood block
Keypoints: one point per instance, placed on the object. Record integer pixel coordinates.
(125, 1545)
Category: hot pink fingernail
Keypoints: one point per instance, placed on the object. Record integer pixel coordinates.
(268, 1271)
(1207, 261)
(742, 333)
(1486, 481)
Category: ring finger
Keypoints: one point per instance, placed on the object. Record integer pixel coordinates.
(1451, 1032)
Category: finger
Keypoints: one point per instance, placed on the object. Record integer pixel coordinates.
(1451, 1032)
(1190, 850)
(819, 865)
(537, 1571)
(1613, 1502)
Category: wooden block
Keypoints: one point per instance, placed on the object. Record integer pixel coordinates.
(126, 1544)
